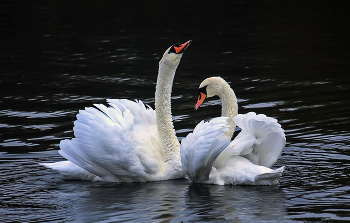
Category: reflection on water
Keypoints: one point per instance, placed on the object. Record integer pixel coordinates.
(240, 203)
(48, 198)
(286, 60)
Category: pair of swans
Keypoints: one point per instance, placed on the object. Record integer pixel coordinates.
(130, 142)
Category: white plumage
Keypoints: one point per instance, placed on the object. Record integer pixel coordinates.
(118, 143)
(201, 147)
(127, 141)
(246, 160)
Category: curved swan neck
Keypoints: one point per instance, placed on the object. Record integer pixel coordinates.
(229, 106)
(166, 131)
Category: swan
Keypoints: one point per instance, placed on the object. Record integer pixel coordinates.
(127, 141)
(244, 161)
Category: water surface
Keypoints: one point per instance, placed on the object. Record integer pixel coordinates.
(285, 60)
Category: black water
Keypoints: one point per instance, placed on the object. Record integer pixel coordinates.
(286, 60)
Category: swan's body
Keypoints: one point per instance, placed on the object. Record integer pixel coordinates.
(248, 158)
(127, 141)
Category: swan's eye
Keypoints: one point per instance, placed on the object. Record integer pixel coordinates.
(202, 90)
(176, 48)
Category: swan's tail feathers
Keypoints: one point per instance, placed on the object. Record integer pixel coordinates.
(261, 140)
(71, 150)
(200, 148)
(71, 171)
(269, 178)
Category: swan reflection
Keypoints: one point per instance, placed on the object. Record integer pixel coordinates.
(172, 201)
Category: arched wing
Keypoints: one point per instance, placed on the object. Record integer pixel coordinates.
(117, 143)
(200, 148)
(261, 139)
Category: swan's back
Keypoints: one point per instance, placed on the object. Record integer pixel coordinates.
(261, 139)
(117, 143)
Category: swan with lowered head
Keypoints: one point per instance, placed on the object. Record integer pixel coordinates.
(248, 158)
(127, 141)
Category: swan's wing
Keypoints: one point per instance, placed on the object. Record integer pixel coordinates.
(200, 148)
(261, 139)
(117, 143)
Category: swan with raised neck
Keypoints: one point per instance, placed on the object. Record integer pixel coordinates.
(127, 141)
(166, 73)
(213, 86)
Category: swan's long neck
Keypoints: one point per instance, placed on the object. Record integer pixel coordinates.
(229, 106)
(166, 131)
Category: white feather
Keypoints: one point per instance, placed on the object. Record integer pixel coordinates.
(247, 159)
(257, 147)
(71, 171)
(200, 148)
(126, 141)
(261, 139)
(118, 143)
(206, 159)
(109, 144)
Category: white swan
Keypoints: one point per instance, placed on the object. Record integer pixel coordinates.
(246, 160)
(127, 141)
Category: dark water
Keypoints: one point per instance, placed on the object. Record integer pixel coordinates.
(286, 60)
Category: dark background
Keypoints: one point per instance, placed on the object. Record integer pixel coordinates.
(288, 60)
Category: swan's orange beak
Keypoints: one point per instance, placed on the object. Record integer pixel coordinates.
(182, 47)
(201, 97)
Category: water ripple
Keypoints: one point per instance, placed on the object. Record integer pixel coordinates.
(34, 114)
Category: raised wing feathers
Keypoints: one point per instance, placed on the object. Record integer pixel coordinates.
(200, 148)
(261, 139)
(117, 143)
